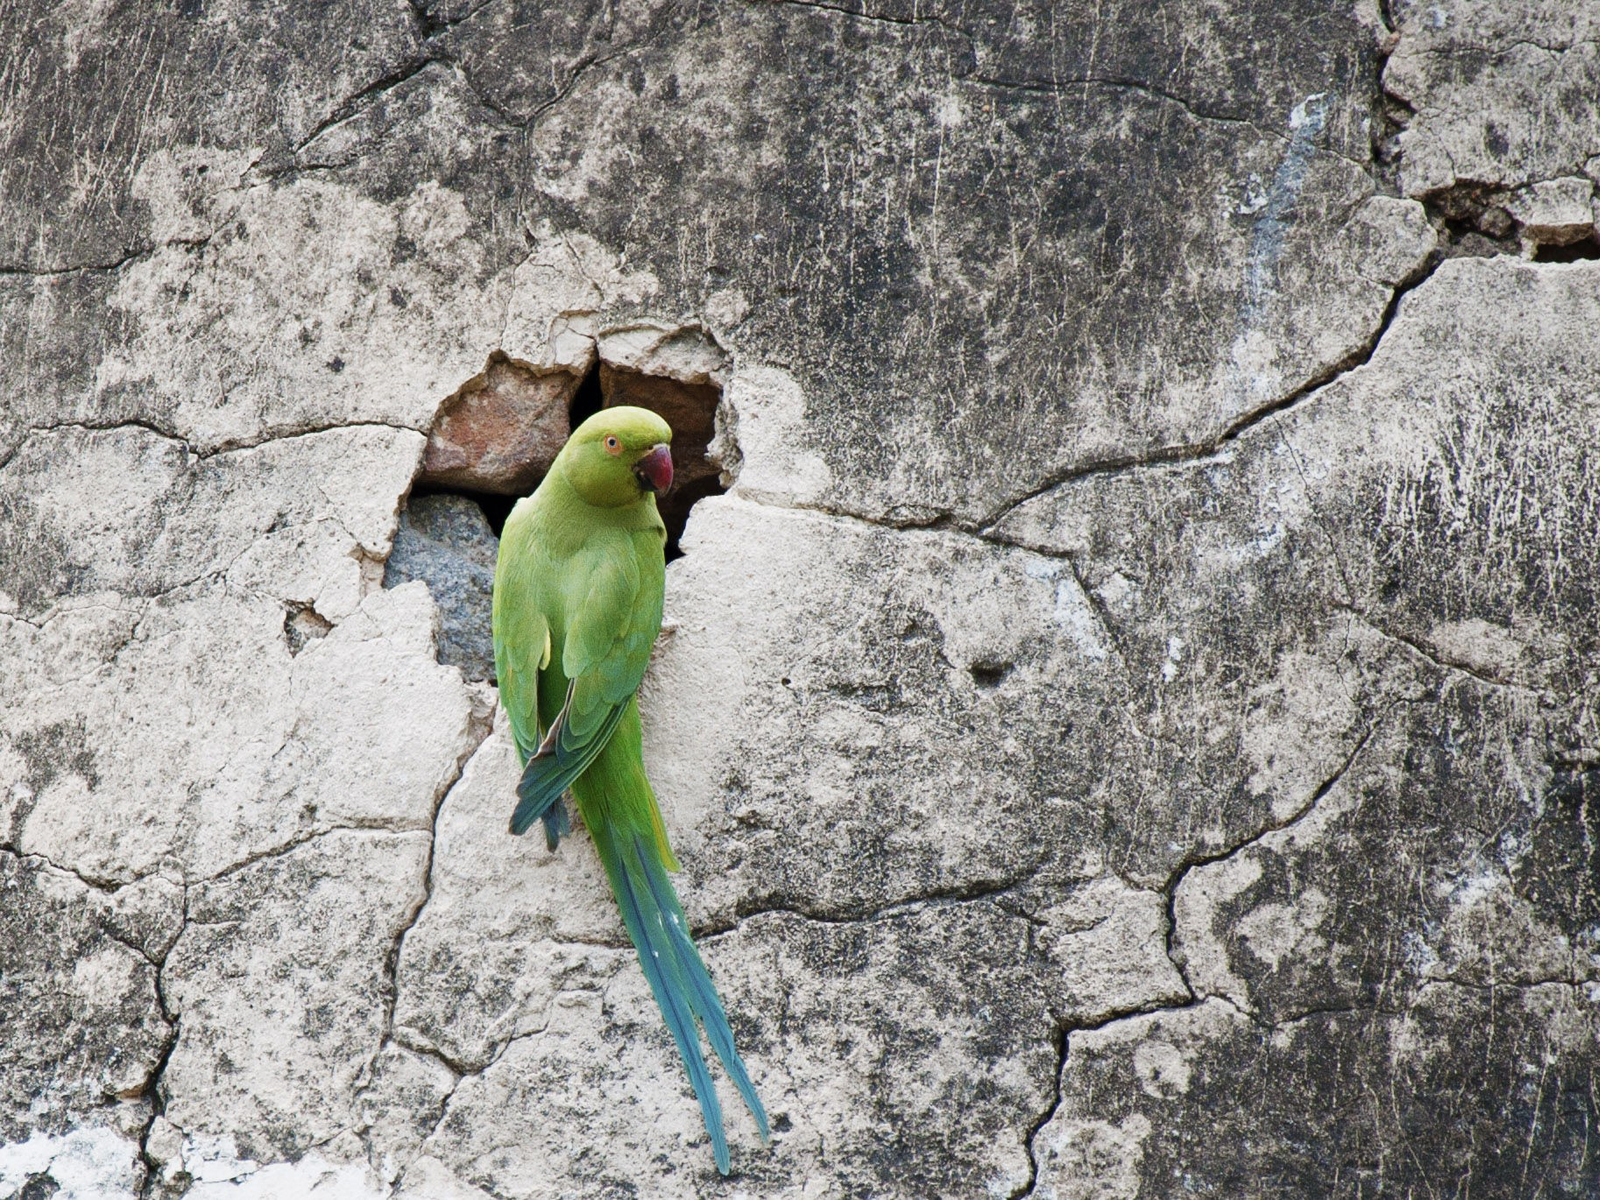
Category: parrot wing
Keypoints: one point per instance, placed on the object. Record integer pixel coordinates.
(604, 656)
(521, 654)
(521, 651)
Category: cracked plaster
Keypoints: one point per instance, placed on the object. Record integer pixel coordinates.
(1141, 692)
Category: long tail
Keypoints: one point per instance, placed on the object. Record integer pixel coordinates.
(677, 976)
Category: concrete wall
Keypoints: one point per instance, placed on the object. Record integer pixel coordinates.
(1130, 727)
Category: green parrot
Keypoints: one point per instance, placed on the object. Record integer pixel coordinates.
(577, 606)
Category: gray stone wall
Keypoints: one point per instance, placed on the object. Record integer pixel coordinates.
(1130, 725)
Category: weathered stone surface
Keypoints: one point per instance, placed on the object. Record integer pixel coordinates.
(518, 971)
(924, 267)
(446, 542)
(1554, 212)
(81, 1026)
(268, 746)
(1135, 705)
(1204, 1099)
(501, 430)
(827, 1010)
(1501, 91)
(279, 984)
(1422, 881)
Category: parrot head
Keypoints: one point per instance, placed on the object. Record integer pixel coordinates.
(617, 455)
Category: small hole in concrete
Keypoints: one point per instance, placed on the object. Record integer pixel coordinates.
(1582, 250)
(989, 674)
(302, 624)
(491, 444)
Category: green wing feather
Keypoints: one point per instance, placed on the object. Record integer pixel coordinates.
(603, 658)
(521, 651)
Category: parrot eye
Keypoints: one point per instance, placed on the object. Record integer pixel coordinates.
(612, 445)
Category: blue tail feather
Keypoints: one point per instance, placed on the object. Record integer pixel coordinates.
(556, 824)
(539, 796)
(703, 997)
(645, 923)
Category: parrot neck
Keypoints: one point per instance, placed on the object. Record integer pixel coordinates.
(568, 504)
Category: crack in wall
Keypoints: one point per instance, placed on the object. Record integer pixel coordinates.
(152, 1089)
(353, 103)
(463, 1073)
(203, 452)
(1169, 890)
(1192, 452)
(479, 733)
(1060, 1039)
(1434, 656)
(141, 250)
(103, 884)
(373, 825)
(911, 22)
(909, 906)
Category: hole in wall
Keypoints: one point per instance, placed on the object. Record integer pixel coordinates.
(587, 398)
(1473, 221)
(989, 673)
(302, 623)
(491, 443)
(1582, 250)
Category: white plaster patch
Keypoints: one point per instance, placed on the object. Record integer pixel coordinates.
(215, 1159)
(761, 441)
(1074, 614)
(1117, 590)
(726, 307)
(303, 275)
(1162, 1069)
(1195, 908)
(1091, 1160)
(191, 190)
(1471, 890)
(1070, 609)
(429, 1179)
(93, 1163)
(1274, 932)
(1169, 667)
(434, 217)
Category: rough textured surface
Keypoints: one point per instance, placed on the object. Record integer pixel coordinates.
(445, 541)
(1130, 727)
(501, 431)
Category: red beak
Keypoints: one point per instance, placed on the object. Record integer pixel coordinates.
(655, 469)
